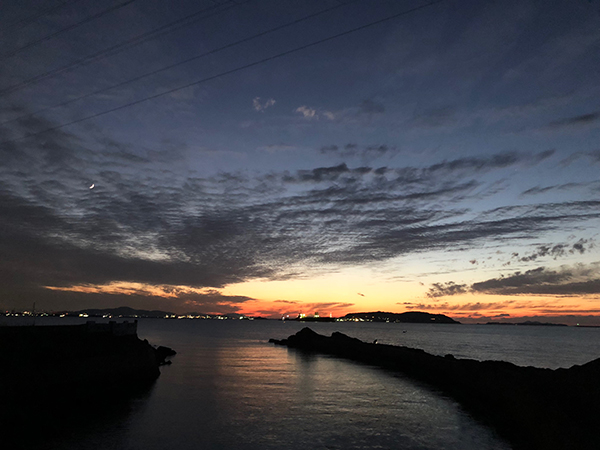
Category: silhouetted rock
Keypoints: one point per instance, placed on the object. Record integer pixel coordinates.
(162, 353)
(533, 408)
(91, 357)
(54, 375)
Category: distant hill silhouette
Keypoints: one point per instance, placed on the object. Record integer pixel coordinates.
(407, 317)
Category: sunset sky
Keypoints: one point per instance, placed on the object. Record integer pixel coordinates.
(271, 157)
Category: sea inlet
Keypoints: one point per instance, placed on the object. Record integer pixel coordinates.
(229, 388)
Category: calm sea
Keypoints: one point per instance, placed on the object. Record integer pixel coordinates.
(228, 388)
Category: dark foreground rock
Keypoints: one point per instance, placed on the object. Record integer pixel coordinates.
(56, 375)
(532, 408)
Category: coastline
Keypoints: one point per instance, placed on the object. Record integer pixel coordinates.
(532, 408)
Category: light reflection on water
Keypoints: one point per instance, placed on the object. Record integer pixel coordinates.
(228, 388)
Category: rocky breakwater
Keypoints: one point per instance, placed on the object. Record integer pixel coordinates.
(51, 373)
(532, 408)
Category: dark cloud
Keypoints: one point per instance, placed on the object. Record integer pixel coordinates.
(541, 156)
(543, 211)
(329, 149)
(540, 281)
(371, 107)
(577, 121)
(557, 250)
(212, 302)
(444, 289)
(519, 280)
(460, 166)
(593, 156)
(543, 250)
(377, 149)
(321, 174)
(474, 163)
(366, 152)
(179, 301)
(435, 118)
(559, 187)
(476, 306)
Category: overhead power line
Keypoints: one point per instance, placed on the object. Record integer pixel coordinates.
(117, 48)
(185, 61)
(39, 14)
(229, 72)
(63, 30)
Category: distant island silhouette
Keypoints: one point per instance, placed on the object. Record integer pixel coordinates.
(379, 316)
(405, 317)
(532, 408)
(531, 323)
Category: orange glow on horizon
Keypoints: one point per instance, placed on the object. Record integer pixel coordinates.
(340, 294)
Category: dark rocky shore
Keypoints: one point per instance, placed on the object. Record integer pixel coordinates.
(532, 408)
(53, 375)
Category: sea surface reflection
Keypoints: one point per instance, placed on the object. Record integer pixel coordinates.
(229, 388)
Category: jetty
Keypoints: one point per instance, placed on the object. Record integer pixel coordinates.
(92, 357)
(54, 375)
(532, 408)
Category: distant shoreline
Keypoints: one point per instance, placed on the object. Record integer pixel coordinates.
(527, 323)
(124, 312)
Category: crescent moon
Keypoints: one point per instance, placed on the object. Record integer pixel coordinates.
(92, 186)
